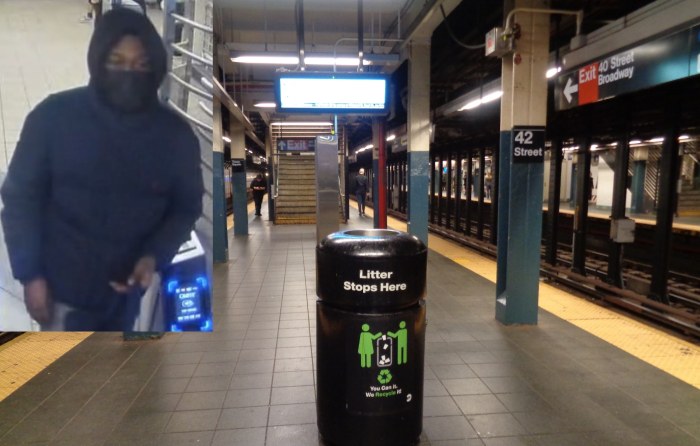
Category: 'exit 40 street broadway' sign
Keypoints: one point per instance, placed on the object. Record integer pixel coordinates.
(662, 60)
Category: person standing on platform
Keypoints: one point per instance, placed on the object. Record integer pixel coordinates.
(104, 186)
(361, 190)
(259, 188)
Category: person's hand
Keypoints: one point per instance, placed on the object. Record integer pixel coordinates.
(38, 301)
(142, 276)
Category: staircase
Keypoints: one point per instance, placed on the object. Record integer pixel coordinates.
(296, 190)
(689, 202)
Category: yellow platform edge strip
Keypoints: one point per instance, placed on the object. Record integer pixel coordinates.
(26, 356)
(662, 350)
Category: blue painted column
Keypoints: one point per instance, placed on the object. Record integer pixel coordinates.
(220, 232)
(418, 137)
(238, 179)
(524, 103)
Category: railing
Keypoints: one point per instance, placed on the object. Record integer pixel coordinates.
(188, 89)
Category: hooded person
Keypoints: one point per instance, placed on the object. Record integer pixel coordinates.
(259, 188)
(104, 186)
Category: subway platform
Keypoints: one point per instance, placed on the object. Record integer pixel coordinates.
(252, 382)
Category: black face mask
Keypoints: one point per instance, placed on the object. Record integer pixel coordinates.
(127, 91)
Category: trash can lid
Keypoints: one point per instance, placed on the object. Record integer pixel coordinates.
(371, 269)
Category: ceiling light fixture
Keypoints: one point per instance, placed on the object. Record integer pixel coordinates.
(265, 105)
(391, 137)
(635, 141)
(488, 97)
(226, 138)
(300, 124)
(552, 72)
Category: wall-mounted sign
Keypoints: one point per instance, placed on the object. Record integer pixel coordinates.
(662, 60)
(237, 165)
(296, 145)
(528, 144)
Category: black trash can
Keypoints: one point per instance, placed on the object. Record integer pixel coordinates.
(370, 337)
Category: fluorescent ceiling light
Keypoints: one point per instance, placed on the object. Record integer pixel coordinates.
(659, 139)
(265, 105)
(226, 138)
(291, 59)
(491, 96)
(594, 146)
(330, 60)
(635, 141)
(553, 72)
(612, 144)
(391, 137)
(267, 59)
(473, 104)
(683, 137)
(301, 124)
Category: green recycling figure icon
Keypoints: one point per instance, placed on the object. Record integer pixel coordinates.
(384, 377)
(366, 346)
(402, 340)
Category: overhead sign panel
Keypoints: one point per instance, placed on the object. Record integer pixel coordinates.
(296, 145)
(342, 93)
(659, 61)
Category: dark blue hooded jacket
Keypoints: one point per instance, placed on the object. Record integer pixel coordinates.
(89, 190)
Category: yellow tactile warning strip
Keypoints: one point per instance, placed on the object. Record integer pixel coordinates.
(25, 356)
(655, 347)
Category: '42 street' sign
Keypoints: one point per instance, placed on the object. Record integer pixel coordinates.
(528, 144)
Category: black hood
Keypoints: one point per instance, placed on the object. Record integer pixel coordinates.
(116, 24)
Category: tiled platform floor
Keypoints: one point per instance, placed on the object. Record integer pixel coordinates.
(252, 381)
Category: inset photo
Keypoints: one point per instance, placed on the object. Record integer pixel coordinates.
(106, 167)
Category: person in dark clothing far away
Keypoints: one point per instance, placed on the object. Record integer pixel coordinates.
(104, 186)
(361, 190)
(259, 188)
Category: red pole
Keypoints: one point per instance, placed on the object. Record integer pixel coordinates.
(381, 174)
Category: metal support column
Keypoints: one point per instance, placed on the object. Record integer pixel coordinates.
(238, 179)
(524, 103)
(448, 192)
(469, 185)
(480, 205)
(583, 190)
(379, 165)
(622, 154)
(493, 236)
(670, 162)
(433, 179)
(440, 200)
(458, 192)
(556, 156)
(418, 137)
(218, 191)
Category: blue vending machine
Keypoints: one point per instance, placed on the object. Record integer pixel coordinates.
(186, 289)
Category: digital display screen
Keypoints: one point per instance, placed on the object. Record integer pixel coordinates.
(188, 303)
(332, 93)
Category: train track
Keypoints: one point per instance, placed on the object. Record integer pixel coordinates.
(681, 314)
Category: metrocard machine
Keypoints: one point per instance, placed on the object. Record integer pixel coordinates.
(181, 300)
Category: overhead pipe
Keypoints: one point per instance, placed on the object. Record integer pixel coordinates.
(360, 36)
(299, 7)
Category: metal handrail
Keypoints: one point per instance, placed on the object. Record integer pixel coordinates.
(189, 118)
(190, 87)
(192, 23)
(192, 55)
